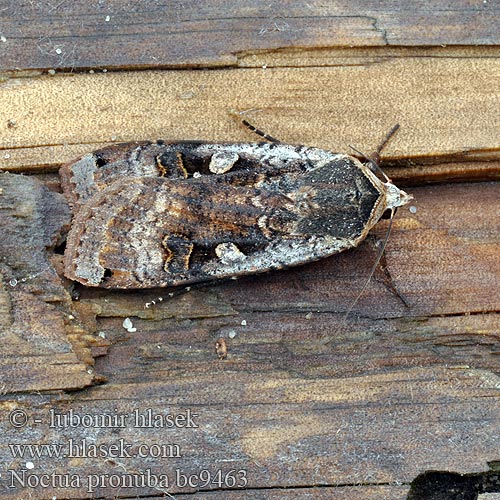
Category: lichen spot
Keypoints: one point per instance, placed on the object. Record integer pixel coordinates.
(222, 162)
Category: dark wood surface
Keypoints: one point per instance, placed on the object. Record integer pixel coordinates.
(69, 36)
(309, 403)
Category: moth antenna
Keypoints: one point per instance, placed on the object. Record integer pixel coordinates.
(268, 137)
(251, 127)
(373, 269)
(387, 138)
(374, 158)
(374, 164)
(360, 153)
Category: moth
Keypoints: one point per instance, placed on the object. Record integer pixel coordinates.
(172, 213)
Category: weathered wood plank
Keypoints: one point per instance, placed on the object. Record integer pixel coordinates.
(43, 347)
(284, 431)
(445, 107)
(301, 399)
(443, 236)
(151, 34)
(357, 56)
(309, 346)
(309, 404)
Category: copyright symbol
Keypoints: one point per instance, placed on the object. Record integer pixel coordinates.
(18, 418)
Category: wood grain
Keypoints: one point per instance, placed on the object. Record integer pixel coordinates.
(40, 35)
(371, 429)
(446, 107)
(44, 346)
(309, 403)
(305, 397)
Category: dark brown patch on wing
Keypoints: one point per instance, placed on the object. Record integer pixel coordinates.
(345, 198)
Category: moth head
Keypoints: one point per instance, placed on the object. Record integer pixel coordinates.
(396, 197)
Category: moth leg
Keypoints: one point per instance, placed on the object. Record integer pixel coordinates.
(268, 137)
(388, 281)
(178, 251)
(381, 269)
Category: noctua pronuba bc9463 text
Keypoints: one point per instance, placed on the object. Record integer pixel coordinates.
(165, 214)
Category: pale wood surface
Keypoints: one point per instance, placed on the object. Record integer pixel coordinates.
(311, 405)
(445, 106)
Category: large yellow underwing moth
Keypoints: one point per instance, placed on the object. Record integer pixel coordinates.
(164, 214)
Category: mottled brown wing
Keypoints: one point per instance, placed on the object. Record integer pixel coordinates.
(150, 232)
(96, 171)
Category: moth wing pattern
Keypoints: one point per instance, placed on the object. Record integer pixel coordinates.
(82, 178)
(93, 172)
(283, 206)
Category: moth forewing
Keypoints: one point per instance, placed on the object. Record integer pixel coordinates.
(96, 171)
(254, 208)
